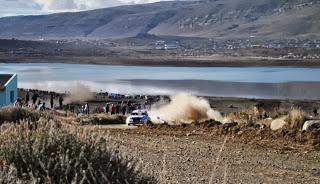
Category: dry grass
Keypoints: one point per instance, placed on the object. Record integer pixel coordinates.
(278, 112)
(296, 118)
(45, 152)
(246, 116)
(101, 119)
(14, 114)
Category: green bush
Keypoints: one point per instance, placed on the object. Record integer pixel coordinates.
(48, 154)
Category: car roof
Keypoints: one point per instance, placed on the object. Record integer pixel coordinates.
(139, 111)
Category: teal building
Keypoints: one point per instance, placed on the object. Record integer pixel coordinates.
(8, 89)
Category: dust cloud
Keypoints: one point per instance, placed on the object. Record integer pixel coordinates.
(184, 108)
(79, 93)
(120, 87)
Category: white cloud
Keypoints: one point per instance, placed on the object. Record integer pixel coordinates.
(16, 7)
(27, 7)
(53, 5)
(74, 5)
(95, 4)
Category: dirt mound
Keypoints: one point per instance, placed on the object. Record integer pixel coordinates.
(250, 133)
(101, 119)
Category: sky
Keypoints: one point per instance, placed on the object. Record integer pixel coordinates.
(36, 7)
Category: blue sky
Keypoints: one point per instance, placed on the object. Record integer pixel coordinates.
(34, 7)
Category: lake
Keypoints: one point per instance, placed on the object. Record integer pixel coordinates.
(250, 82)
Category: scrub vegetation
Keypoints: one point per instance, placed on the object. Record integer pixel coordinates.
(46, 151)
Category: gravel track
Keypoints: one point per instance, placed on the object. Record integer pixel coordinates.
(219, 159)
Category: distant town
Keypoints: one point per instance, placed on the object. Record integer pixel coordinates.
(148, 46)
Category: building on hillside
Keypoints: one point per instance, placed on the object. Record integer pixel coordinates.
(8, 89)
(171, 46)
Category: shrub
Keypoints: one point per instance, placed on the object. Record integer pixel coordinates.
(48, 154)
(278, 112)
(296, 118)
(102, 119)
(246, 116)
(14, 114)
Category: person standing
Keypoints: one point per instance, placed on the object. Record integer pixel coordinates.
(51, 101)
(18, 103)
(60, 102)
(114, 108)
(117, 109)
(34, 98)
(123, 110)
(81, 109)
(87, 109)
(110, 108)
(315, 112)
(27, 98)
(107, 108)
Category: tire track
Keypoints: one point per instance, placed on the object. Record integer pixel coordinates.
(216, 161)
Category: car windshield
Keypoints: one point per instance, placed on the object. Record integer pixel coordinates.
(139, 113)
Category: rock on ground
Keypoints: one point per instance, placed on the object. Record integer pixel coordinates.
(278, 123)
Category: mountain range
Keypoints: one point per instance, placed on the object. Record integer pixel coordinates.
(223, 19)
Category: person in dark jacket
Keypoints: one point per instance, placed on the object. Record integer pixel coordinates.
(117, 109)
(123, 110)
(315, 112)
(60, 102)
(34, 98)
(51, 101)
(107, 108)
(27, 98)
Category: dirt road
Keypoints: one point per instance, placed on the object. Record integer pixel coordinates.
(214, 159)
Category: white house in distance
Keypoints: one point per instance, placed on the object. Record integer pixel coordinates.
(8, 89)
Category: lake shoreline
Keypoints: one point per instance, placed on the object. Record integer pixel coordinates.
(167, 62)
(254, 82)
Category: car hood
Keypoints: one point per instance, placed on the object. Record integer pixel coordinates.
(137, 116)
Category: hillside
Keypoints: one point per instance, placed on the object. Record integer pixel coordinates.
(211, 18)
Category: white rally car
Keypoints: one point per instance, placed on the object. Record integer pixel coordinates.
(138, 117)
